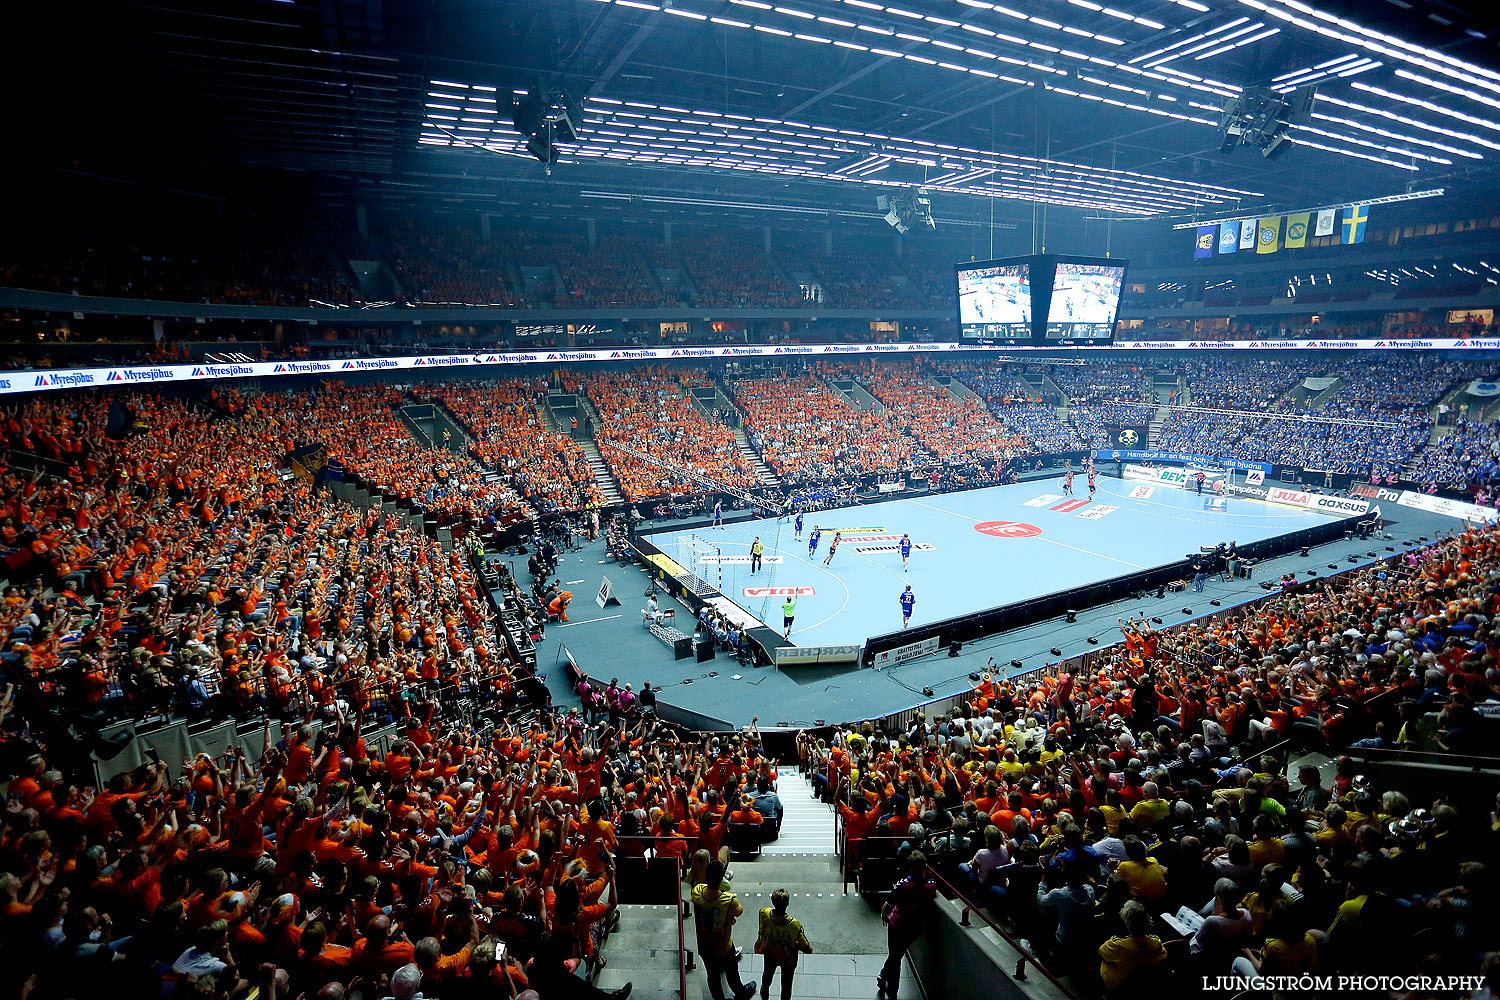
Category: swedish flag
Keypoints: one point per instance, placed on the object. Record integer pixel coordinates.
(1354, 223)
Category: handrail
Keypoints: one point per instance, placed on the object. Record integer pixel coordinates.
(1474, 762)
(681, 940)
(692, 843)
(1025, 953)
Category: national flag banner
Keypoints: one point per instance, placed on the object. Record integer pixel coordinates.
(1247, 234)
(1229, 237)
(1325, 222)
(1268, 235)
(1354, 223)
(1204, 245)
(1296, 231)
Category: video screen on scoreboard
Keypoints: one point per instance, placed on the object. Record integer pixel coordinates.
(1085, 300)
(994, 301)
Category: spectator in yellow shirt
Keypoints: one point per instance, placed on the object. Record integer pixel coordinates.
(1122, 958)
(1146, 877)
(1151, 809)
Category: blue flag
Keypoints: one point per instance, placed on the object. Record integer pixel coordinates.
(1229, 237)
(1204, 246)
(1354, 223)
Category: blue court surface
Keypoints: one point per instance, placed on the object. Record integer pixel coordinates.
(972, 551)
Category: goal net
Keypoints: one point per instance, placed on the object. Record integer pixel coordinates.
(700, 564)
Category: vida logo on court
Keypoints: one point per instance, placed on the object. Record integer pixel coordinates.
(1008, 529)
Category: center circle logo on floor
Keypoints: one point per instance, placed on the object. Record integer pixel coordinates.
(1008, 529)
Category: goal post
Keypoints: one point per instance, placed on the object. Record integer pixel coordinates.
(698, 559)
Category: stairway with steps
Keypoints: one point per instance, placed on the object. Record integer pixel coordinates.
(1158, 419)
(848, 938)
(763, 473)
(603, 478)
(643, 951)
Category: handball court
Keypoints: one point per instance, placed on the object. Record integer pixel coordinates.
(971, 551)
(613, 642)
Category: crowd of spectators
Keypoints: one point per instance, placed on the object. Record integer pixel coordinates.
(1137, 822)
(250, 264)
(949, 430)
(737, 273)
(1468, 455)
(1101, 383)
(648, 411)
(233, 587)
(449, 264)
(1099, 423)
(806, 431)
(461, 861)
(1372, 422)
(511, 436)
(186, 574)
(359, 427)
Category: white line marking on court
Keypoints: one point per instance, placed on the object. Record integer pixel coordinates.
(569, 583)
(821, 569)
(1286, 512)
(589, 621)
(841, 583)
(1042, 538)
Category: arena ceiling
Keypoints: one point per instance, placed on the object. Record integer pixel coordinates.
(797, 105)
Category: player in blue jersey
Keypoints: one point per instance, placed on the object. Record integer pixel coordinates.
(797, 526)
(908, 601)
(905, 553)
(812, 541)
(718, 514)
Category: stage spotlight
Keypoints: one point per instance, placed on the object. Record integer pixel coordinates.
(1262, 117)
(1187, 611)
(1215, 603)
(1333, 565)
(1072, 617)
(1267, 585)
(1353, 557)
(1304, 550)
(1093, 640)
(1156, 621)
(1421, 538)
(1016, 664)
(974, 676)
(1371, 553)
(1312, 572)
(1390, 548)
(927, 691)
(1056, 652)
(1161, 592)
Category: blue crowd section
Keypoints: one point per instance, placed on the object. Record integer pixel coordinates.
(970, 551)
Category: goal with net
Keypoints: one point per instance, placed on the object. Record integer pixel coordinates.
(700, 564)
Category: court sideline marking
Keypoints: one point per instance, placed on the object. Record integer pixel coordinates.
(1044, 538)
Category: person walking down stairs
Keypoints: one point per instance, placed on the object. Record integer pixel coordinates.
(781, 940)
(715, 909)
